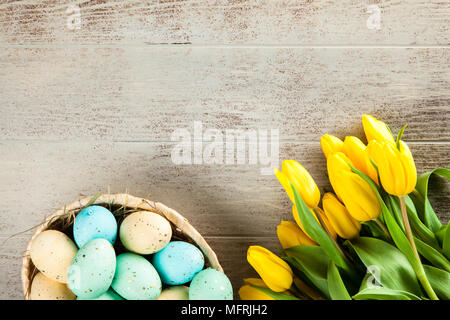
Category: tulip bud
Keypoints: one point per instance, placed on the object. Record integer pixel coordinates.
(247, 292)
(330, 144)
(292, 171)
(396, 166)
(323, 217)
(290, 235)
(274, 271)
(376, 129)
(341, 220)
(357, 152)
(356, 194)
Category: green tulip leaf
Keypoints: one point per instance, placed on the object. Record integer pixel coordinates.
(336, 286)
(375, 230)
(380, 293)
(313, 258)
(275, 295)
(439, 280)
(432, 255)
(317, 280)
(446, 242)
(316, 231)
(397, 234)
(389, 266)
(429, 216)
(418, 226)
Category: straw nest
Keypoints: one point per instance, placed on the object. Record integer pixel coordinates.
(120, 205)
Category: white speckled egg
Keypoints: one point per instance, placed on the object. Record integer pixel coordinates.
(210, 284)
(92, 269)
(145, 232)
(175, 293)
(178, 262)
(108, 295)
(52, 253)
(43, 288)
(136, 278)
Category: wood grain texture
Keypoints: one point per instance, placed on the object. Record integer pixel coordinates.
(219, 200)
(87, 108)
(144, 94)
(231, 252)
(307, 22)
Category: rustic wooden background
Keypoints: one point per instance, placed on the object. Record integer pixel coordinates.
(84, 109)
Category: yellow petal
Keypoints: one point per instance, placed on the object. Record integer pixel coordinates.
(376, 129)
(290, 235)
(330, 144)
(343, 223)
(247, 292)
(303, 182)
(274, 271)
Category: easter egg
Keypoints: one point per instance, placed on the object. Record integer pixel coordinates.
(94, 222)
(210, 284)
(145, 232)
(175, 293)
(108, 295)
(52, 253)
(43, 288)
(136, 278)
(178, 262)
(92, 269)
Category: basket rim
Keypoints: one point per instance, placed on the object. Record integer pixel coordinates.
(180, 222)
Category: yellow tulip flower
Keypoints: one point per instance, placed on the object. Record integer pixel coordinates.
(290, 235)
(357, 152)
(376, 129)
(274, 271)
(323, 217)
(330, 144)
(292, 171)
(345, 225)
(396, 166)
(247, 292)
(356, 194)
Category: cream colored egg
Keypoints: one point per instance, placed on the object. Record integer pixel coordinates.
(52, 253)
(175, 293)
(43, 288)
(145, 232)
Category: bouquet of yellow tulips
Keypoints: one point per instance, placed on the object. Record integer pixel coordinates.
(376, 237)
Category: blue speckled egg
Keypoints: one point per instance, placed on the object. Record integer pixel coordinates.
(94, 222)
(108, 295)
(178, 262)
(92, 269)
(210, 284)
(136, 278)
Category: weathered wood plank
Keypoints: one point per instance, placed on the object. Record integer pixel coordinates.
(144, 94)
(219, 200)
(230, 251)
(318, 22)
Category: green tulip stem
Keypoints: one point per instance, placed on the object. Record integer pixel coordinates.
(421, 272)
(383, 227)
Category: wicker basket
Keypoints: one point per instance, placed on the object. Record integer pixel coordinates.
(63, 218)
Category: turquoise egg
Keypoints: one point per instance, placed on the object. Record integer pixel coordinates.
(92, 269)
(210, 284)
(94, 222)
(178, 262)
(108, 295)
(136, 278)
